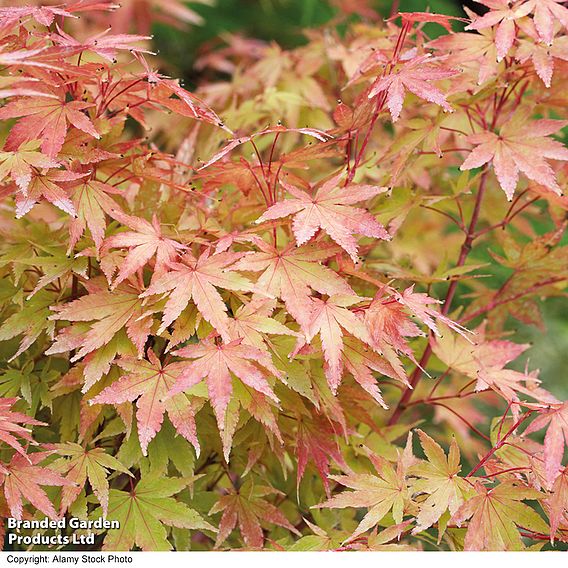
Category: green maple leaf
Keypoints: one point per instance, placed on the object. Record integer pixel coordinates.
(19, 164)
(86, 464)
(108, 312)
(494, 515)
(29, 321)
(439, 481)
(54, 265)
(143, 512)
(385, 491)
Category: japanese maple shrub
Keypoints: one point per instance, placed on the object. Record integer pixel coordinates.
(289, 323)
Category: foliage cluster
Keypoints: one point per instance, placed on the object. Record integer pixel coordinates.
(259, 326)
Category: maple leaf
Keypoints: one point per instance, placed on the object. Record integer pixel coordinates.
(25, 58)
(355, 67)
(238, 174)
(44, 15)
(463, 48)
(216, 363)
(19, 164)
(535, 265)
(143, 512)
(330, 318)
(49, 186)
(330, 210)
(45, 119)
(54, 264)
(439, 480)
(91, 201)
(249, 509)
(197, 279)
(30, 322)
(144, 242)
(148, 382)
(316, 442)
(418, 303)
(292, 273)
(16, 91)
(389, 325)
(12, 426)
(110, 311)
(92, 465)
(382, 541)
(252, 323)
(543, 56)
(319, 540)
(102, 44)
(386, 491)
(502, 15)
(546, 13)
(22, 477)
(495, 513)
(62, 90)
(556, 504)
(98, 363)
(161, 88)
(414, 76)
(520, 146)
(361, 361)
(485, 363)
(556, 418)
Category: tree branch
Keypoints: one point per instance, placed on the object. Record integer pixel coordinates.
(464, 252)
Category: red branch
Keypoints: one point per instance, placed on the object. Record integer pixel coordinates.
(464, 252)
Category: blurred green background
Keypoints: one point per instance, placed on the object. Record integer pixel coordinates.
(283, 21)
